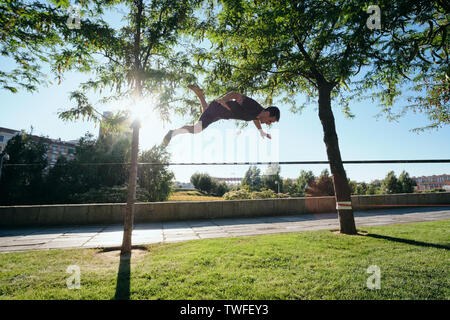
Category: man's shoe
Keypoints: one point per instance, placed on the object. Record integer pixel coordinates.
(167, 138)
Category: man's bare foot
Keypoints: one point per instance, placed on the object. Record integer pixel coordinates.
(196, 89)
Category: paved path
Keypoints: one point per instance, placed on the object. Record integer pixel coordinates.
(146, 233)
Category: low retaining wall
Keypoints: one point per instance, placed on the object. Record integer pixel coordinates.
(50, 215)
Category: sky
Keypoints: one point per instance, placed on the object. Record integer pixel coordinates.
(297, 137)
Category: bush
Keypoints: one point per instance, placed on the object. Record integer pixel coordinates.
(218, 188)
(109, 195)
(237, 195)
(203, 182)
(245, 194)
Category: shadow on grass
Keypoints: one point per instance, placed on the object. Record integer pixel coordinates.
(124, 273)
(123, 278)
(407, 241)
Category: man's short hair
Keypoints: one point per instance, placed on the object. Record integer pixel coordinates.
(274, 112)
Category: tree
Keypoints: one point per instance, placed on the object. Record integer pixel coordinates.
(321, 186)
(305, 179)
(361, 188)
(352, 185)
(195, 179)
(141, 62)
(374, 187)
(272, 179)
(61, 182)
(218, 188)
(156, 179)
(390, 184)
(252, 179)
(31, 33)
(21, 183)
(315, 47)
(406, 182)
(205, 183)
(290, 188)
(98, 163)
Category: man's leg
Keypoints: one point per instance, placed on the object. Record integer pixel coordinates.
(196, 128)
(199, 93)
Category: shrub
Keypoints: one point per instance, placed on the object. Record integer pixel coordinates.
(109, 195)
(244, 194)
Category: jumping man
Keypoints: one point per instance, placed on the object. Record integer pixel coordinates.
(232, 106)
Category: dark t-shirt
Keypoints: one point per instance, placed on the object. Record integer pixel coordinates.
(247, 111)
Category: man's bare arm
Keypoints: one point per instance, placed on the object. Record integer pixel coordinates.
(258, 126)
(233, 95)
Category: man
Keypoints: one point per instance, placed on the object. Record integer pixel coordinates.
(232, 106)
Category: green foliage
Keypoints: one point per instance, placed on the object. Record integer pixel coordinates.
(305, 179)
(291, 188)
(116, 194)
(140, 59)
(22, 184)
(374, 188)
(219, 188)
(281, 49)
(253, 179)
(98, 163)
(97, 173)
(321, 186)
(406, 182)
(29, 35)
(272, 179)
(203, 182)
(157, 180)
(244, 194)
(390, 184)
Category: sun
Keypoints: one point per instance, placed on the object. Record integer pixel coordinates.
(152, 130)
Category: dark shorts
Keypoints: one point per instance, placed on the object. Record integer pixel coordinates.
(213, 113)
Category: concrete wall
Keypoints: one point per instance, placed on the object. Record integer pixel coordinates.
(16, 216)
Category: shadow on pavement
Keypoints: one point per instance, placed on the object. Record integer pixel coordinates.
(407, 241)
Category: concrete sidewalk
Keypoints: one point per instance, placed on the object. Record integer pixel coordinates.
(111, 235)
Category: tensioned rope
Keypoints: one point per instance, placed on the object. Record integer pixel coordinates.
(243, 163)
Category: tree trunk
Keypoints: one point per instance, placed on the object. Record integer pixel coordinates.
(129, 213)
(340, 182)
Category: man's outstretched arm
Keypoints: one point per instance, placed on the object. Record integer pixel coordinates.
(258, 126)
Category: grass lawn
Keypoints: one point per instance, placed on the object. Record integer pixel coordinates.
(414, 260)
(192, 195)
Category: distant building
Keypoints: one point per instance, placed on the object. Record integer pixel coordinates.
(183, 185)
(233, 181)
(56, 147)
(432, 182)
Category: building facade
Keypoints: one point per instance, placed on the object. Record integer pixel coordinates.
(55, 147)
(432, 182)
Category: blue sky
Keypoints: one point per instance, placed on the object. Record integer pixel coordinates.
(297, 137)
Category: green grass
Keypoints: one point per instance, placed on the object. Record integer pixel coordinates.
(191, 195)
(414, 260)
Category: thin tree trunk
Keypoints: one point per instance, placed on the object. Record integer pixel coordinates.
(129, 213)
(340, 182)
